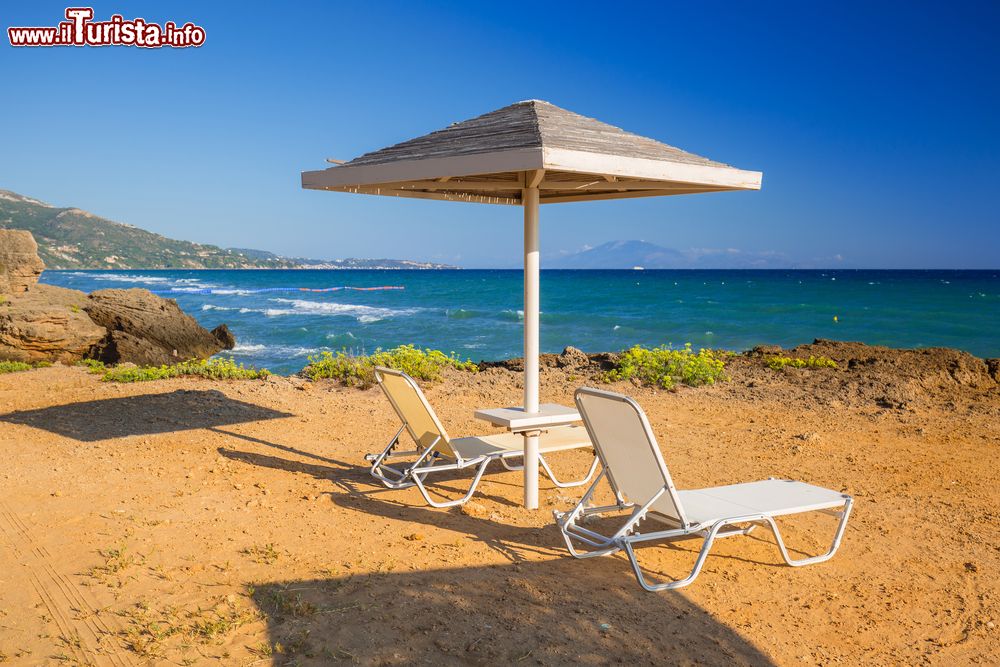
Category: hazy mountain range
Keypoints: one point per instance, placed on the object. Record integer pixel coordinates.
(70, 238)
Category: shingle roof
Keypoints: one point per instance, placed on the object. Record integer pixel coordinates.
(530, 124)
(493, 158)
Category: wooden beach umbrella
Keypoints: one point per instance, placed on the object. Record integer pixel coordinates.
(526, 154)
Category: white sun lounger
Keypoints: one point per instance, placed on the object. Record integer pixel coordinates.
(636, 473)
(435, 452)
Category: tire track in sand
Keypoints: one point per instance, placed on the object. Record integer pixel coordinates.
(87, 636)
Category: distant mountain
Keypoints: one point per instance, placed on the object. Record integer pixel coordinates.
(70, 238)
(632, 254)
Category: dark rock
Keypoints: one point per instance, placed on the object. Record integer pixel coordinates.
(46, 324)
(225, 337)
(20, 265)
(146, 329)
(993, 365)
(605, 361)
(516, 365)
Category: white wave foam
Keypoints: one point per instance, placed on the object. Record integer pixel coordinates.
(126, 278)
(363, 314)
(244, 348)
(283, 351)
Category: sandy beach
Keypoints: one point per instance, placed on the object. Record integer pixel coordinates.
(197, 522)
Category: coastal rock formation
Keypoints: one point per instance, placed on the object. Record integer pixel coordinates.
(20, 265)
(225, 337)
(573, 357)
(47, 323)
(887, 378)
(146, 329)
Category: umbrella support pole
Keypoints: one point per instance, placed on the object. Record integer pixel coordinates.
(529, 197)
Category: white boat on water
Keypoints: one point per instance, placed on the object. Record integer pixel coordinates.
(638, 268)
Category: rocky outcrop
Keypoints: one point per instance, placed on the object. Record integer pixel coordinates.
(19, 262)
(146, 329)
(871, 375)
(225, 337)
(47, 323)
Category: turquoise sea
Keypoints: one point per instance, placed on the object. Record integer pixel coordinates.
(477, 313)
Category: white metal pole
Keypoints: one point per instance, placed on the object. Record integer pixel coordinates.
(530, 200)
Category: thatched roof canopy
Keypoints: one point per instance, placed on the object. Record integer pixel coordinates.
(568, 157)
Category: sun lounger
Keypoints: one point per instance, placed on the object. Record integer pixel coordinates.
(435, 452)
(635, 471)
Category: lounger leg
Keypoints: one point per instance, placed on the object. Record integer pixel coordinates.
(503, 461)
(398, 479)
(702, 555)
(419, 481)
(566, 485)
(814, 559)
(570, 531)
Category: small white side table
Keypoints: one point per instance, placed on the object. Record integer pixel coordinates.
(516, 420)
(530, 425)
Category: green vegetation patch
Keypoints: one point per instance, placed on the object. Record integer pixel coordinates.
(777, 363)
(666, 368)
(359, 371)
(216, 369)
(93, 366)
(17, 366)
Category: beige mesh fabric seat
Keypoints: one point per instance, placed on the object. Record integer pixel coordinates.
(435, 452)
(634, 469)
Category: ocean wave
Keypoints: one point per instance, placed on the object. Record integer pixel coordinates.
(179, 285)
(126, 278)
(363, 314)
(282, 351)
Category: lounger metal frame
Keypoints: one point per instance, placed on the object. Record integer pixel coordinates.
(628, 535)
(431, 460)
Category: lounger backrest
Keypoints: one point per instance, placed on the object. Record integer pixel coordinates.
(413, 410)
(627, 448)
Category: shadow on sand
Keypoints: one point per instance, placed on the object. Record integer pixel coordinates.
(147, 414)
(548, 612)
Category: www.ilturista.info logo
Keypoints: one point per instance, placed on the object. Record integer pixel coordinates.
(80, 30)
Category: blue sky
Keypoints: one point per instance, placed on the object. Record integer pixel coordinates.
(876, 124)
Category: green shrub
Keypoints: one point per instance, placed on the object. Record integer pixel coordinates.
(360, 370)
(777, 363)
(216, 369)
(14, 366)
(93, 366)
(666, 368)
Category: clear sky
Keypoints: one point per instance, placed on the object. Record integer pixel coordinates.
(877, 125)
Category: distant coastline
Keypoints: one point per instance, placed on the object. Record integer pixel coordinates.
(76, 240)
